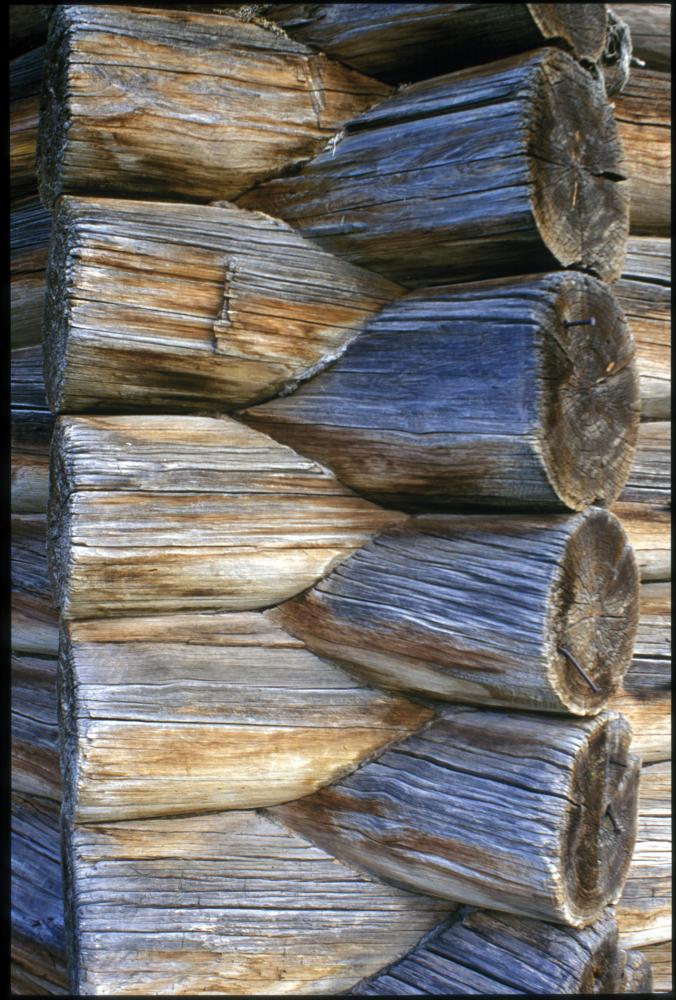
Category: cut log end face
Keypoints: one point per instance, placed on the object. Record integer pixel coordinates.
(581, 27)
(591, 395)
(580, 194)
(594, 613)
(600, 833)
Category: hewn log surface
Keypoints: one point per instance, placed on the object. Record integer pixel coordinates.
(30, 227)
(35, 729)
(252, 103)
(643, 114)
(649, 481)
(660, 957)
(427, 188)
(517, 812)
(31, 435)
(650, 28)
(500, 393)
(487, 953)
(158, 514)
(523, 612)
(401, 42)
(649, 530)
(644, 911)
(644, 293)
(34, 622)
(194, 905)
(171, 307)
(187, 713)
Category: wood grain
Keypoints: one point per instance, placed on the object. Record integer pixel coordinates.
(31, 432)
(192, 905)
(154, 514)
(486, 610)
(426, 189)
(498, 393)
(166, 307)
(30, 227)
(188, 713)
(182, 104)
(499, 809)
(35, 728)
(660, 957)
(650, 32)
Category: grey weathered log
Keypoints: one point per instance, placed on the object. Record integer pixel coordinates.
(519, 812)
(644, 293)
(512, 167)
(650, 28)
(400, 42)
(31, 435)
(38, 946)
(186, 713)
(515, 611)
(195, 905)
(649, 529)
(487, 953)
(644, 911)
(171, 307)
(660, 957)
(517, 393)
(649, 480)
(226, 103)
(637, 976)
(35, 729)
(643, 114)
(30, 227)
(153, 514)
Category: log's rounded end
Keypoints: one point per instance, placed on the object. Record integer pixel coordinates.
(594, 613)
(591, 394)
(579, 186)
(600, 830)
(581, 27)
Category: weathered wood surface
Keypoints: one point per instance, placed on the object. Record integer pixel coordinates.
(637, 976)
(644, 293)
(400, 42)
(37, 943)
(153, 514)
(644, 911)
(25, 79)
(513, 167)
(34, 622)
(498, 393)
(649, 481)
(187, 713)
(35, 728)
(195, 905)
(660, 957)
(518, 812)
(487, 953)
(171, 307)
(252, 103)
(649, 530)
(31, 432)
(643, 114)
(536, 613)
(650, 28)
(30, 226)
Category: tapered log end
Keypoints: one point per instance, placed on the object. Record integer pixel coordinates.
(600, 833)
(591, 400)
(580, 192)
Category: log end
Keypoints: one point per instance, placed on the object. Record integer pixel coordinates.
(594, 613)
(580, 191)
(590, 402)
(580, 27)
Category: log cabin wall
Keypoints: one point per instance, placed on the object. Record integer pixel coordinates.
(336, 915)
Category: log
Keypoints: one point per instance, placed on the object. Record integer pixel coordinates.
(517, 812)
(171, 307)
(533, 395)
(35, 623)
(27, 378)
(30, 226)
(487, 953)
(35, 729)
(38, 945)
(650, 28)
(644, 293)
(192, 905)
(649, 481)
(400, 42)
(649, 530)
(643, 114)
(638, 974)
(427, 189)
(660, 958)
(514, 611)
(184, 713)
(153, 515)
(253, 103)
(31, 434)
(644, 911)
(25, 80)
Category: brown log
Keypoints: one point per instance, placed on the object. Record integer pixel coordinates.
(29, 246)
(253, 103)
(24, 115)
(649, 530)
(171, 307)
(35, 731)
(643, 114)
(400, 42)
(517, 812)
(660, 957)
(650, 28)
(194, 905)
(523, 612)
(158, 514)
(532, 182)
(509, 397)
(644, 293)
(186, 713)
